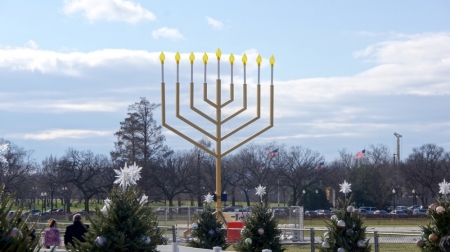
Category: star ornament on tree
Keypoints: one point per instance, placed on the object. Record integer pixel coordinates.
(209, 198)
(260, 190)
(345, 187)
(444, 188)
(127, 176)
(3, 147)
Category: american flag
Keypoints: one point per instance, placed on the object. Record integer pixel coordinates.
(320, 165)
(273, 153)
(361, 154)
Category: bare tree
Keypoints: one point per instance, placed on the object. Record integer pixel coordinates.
(425, 168)
(90, 173)
(301, 170)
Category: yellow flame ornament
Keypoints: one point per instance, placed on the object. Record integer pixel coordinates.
(162, 57)
(272, 60)
(259, 60)
(205, 58)
(231, 59)
(177, 57)
(244, 59)
(192, 58)
(218, 53)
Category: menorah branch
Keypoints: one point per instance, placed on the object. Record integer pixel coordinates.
(205, 96)
(184, 119)
(244, 105)
(163, 115)
(195, 109)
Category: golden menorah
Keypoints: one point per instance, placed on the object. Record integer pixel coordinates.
(218, 105)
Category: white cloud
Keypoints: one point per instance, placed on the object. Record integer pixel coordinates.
(31, 44)
(170, 33)
(110, 10)
(65, 133)
(214, 23)
(61, 106)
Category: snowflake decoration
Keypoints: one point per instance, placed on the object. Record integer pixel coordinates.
(345, 187)
(2, 149)
(260, 190)
(134, 173)
(127, 176)
(209, 198)
(444, 188)
(143, 200)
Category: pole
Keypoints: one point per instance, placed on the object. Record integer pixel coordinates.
(278, 193)
(218, 147)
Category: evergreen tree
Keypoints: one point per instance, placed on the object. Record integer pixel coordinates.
(124, 224)
(207, 232)
(260, 231)
(439, 222)
(15, 235)
(345, 230)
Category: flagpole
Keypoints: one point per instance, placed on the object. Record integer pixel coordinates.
(278, 193)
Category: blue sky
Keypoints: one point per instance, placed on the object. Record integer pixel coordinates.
(347, 74)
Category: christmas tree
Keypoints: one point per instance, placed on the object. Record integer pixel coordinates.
(15, 235)
(125, 223)
(438, 227)
(260, 229)
(207, 232)
(345, 229)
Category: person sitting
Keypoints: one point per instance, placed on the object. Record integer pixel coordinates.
(51, 234)
(76, 230)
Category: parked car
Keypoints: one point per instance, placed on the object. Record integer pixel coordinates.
(369, 210)
(421, 212)
(325, 212)
(310, 213)
(232, 208)
(381, 212)
(279, 213)
(399, 212)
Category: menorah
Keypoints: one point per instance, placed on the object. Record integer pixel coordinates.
(218, 105)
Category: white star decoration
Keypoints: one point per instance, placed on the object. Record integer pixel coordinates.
(444, 188)
(209, 198)
(128, 176)
(345, 187)
(260, 190)
(2, 149)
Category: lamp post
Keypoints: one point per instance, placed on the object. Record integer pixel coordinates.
(393, 199)
(43, 195)
(414, 197)
(304, 198)
(34, 196)
(317, 194)
(64, 189)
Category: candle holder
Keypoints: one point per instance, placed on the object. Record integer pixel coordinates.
(218, 105)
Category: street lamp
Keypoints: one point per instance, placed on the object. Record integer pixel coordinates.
(393, 198)
(64, 189)
(414, 197)
(317, 194)
(34, 196)
(43, 195)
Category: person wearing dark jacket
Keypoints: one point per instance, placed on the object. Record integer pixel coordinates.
(76, 230)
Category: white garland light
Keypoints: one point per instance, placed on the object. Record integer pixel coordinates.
(209, 198)
(345, 187)
(260, 190)
(444, 188)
